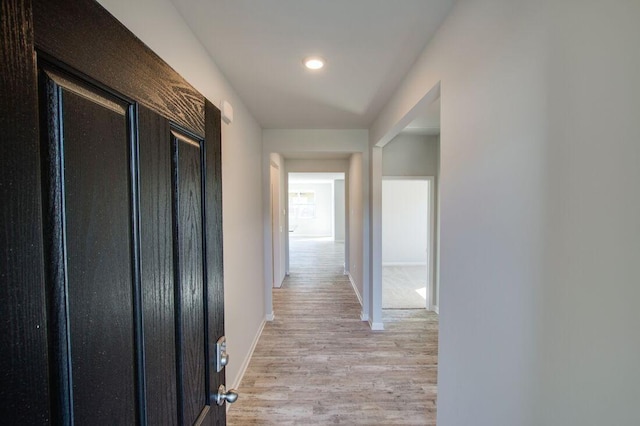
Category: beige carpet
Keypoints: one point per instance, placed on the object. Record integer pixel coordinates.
(404, 287)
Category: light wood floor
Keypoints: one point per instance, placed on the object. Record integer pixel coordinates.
(318, 364)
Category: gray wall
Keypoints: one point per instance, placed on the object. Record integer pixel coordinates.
(405, 222)
(339, 214)
(356, 267)
(281, 239)
(317, 166)
(411, 155)
(540, 210)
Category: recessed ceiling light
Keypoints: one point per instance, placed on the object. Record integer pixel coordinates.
(313, 62)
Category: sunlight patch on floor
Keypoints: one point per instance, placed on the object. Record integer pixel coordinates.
(422, 292)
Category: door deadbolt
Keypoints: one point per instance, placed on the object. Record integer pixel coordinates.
(222, 358)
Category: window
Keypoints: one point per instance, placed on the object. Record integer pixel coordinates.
(302, 205)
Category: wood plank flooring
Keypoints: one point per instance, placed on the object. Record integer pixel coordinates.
(317, 363)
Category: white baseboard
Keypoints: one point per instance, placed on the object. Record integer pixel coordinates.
(364, 317)
(269, 317)
(376, 326)
(247, 359)
(435, 309)
(355, 289)
(404, 264)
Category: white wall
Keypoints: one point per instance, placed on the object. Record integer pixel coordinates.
(328, 141)
(356, 267)
(339, 209)
(540, 210)
(375, 233)
(317, 166)
(278, 178)
(166, 33)
(411, 155)
(321, 224)
(405, 222)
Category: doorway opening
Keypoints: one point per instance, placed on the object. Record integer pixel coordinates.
(316, 226)
(407, 247)
(316, 204)
(408, 252)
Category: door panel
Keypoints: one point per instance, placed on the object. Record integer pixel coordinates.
(98, 237)
(158, 299)
(88, 141)
(190, 291)
(130, 183)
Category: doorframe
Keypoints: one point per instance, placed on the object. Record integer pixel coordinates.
(277, 276)
(376, 143)
(431, 240)
(321, 167)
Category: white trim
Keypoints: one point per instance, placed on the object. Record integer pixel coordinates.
(405, 264)
(435, 309)
(409, 177)
(364, 316)
(269, 317)
(376, 326)
(294, 235)
(333, 210)
(434, 237)
(355, 289)
(247, 359)
(376, 139)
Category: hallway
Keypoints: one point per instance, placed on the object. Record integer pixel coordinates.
(318, 363)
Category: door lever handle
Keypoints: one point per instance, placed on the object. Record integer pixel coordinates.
(225, 395)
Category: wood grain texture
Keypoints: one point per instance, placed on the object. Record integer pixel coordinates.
(24, 387)
(54, 241)
(78, 35)
(125, 64)
(318, 364)
(157, 267)
(190, 272)
(214, 252)
(98, 246)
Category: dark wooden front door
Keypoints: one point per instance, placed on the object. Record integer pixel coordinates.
(111, 227)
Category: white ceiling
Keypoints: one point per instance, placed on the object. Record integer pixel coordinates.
(369, 45)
